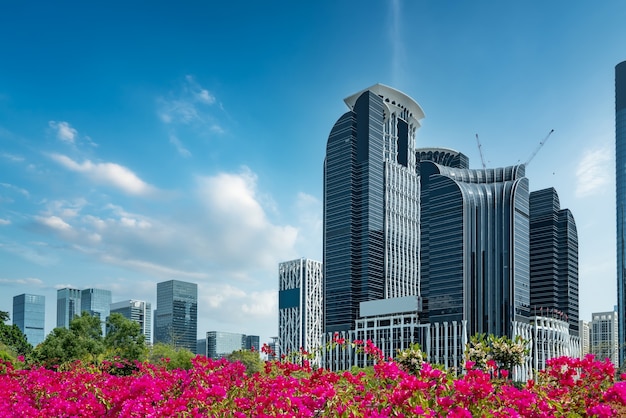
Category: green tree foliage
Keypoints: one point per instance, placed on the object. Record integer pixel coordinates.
(124, 339)
(82, 341)
(4, 316)
(170, 357)
(12, 339)
(250, 359)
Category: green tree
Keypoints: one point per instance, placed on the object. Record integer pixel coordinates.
(4, 316)
(12, 338)
(250, 359)
(82, 341)
(124, 339)
(170, 357)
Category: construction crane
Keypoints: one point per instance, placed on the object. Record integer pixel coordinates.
(541, 144)
(480, 150)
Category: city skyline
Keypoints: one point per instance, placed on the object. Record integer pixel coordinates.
(154, 152)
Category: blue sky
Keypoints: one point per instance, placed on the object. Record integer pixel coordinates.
(144, 142)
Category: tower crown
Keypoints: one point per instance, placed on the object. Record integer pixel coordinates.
(392, 97)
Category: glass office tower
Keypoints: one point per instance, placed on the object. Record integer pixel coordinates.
(176, 315)
(371, 204)
(221, 344)
(96, 302)
(553, 259)
(138, 311)
(620, 202)
(68, 306)
(476, 225)
(29, 314)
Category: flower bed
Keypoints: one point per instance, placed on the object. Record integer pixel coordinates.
(569, 387)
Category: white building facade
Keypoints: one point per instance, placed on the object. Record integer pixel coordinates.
(604, 338)
(300, 306)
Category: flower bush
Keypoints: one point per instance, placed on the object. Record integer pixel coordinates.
(218, 388)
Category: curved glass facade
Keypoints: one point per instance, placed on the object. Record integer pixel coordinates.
(475, 253)
(620, 201)
(371, 205)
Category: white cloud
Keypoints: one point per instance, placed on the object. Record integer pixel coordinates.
(64, 131)
(65, 208)
(594, 172)
(5, 222)
(110, 174)
(29, 281)
(153, 268)
(239, 222)
(54, 222)
(14, 188)
(309, 211)
(228, 307)
(192, 103)
(398, 53)
(12, 158)
(205, 97)
(179, 146)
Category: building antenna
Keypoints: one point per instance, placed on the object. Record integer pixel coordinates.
(480, 150)
(541, 144)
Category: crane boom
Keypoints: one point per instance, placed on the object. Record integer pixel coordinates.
(480, 150)
(541, 144)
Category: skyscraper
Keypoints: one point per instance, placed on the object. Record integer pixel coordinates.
(475, 223)
(300, 305)
(252, 342)
(371, 204)
(96, 302)
(603, 335)
(620, 201)
(29, 314)
(176, 315)
(553, 258)
(220, 344)
(138, 311)
(68, 306)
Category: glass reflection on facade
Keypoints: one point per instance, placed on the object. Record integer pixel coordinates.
(476, 262)
(29, 313)
(96, 302)
(68, 306)
(138, 311)
(620, 202)
(220, 344)
(176, 316)
(553, 259)
(371, 204)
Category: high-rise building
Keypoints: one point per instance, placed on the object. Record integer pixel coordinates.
(300, 305)
(68, 306)
(475, 224)
(553, 258)
(371, 204)
(584, 329)
(604, 336)
(138, 311)
(29, 314)
(220, 344)
(620, 201)
(176, 315)
(252, 343)
(96, 302)
(201, 347)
